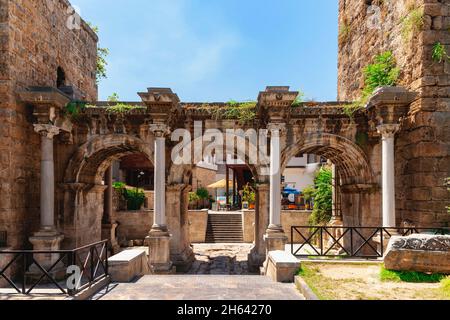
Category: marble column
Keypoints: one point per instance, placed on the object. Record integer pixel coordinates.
(258, 253)
(275, 236)
(47, 238)
(159, 237)
(388, 132)
(181, 253)
(109, 226)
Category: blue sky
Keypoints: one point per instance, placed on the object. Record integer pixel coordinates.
(217, 50)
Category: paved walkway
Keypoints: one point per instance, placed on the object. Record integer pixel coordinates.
(220, 272)
(200, 287)
(217, 259)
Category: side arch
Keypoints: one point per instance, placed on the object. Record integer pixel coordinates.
(350, 159)
(91, 160)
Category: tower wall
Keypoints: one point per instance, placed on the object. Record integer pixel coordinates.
(34, 42)
(423, 145)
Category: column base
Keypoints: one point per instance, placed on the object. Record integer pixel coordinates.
(159, 252)
(109, 232)
(275, 239)
(256, 260)
(183, 261)
(46, 240)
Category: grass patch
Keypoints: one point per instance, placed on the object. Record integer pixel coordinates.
(410, 276)
(445, 287)
(311, 275)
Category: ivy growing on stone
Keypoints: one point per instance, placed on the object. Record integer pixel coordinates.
(382, 72)
(242, 111)
(439, 53)
(74, 109)
(102, 54)
(413, 22)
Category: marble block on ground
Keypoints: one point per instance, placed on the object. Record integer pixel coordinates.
(419, 252)
(281, 266)
(127, 265)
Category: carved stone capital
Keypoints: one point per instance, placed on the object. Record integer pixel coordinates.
(47, 130)
(159, 130)
(277, 129)
(388, 130)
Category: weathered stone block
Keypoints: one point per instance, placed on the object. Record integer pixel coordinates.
(282, 266)
(127, 265)
(421, 253)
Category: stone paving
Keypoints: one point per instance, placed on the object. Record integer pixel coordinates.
(200, 287)
(217, 259)
(219, 273)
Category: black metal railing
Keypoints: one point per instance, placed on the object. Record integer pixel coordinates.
(3, 239)
(91, 261)
(348, 242)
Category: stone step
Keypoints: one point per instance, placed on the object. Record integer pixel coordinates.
(224, 228)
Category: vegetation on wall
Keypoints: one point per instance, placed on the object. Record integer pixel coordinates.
(439, 53)
(344, 33)
(323, 197)
(382, 72)
(102, 54)
(299, 100)
(413, 22)
(74, 109)
(242, 111)
(116, 107)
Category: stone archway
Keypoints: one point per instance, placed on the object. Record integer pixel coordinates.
(82, 195)
(178, 188)
(359, 190)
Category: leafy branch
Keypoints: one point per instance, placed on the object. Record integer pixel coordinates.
(382, 72)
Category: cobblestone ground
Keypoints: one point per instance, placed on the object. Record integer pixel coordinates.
(221, 259)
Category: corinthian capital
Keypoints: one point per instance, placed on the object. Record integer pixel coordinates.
(388, 130)
(277, 129)
(47, 130)
(159, 130)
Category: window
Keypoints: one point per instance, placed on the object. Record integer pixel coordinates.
(60, 77)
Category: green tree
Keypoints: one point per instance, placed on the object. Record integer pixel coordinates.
(323, 197)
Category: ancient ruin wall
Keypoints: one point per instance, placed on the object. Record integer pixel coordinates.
(423, 145)
(34, 42)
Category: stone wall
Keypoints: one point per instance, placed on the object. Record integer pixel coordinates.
(423, 145)
(198, 223)
(133, 225)
(34, 42)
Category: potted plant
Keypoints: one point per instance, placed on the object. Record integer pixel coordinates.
(308, 194)
(248, 197)
(193, 201)
(135, 198)
(204, 198)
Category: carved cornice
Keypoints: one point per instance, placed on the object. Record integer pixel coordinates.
(389, 104)
(277, 103)
(46, 101)
(422, 242)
